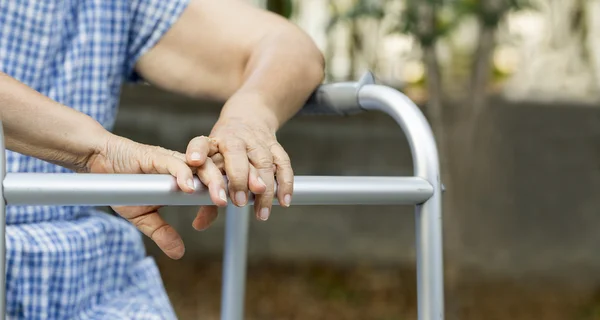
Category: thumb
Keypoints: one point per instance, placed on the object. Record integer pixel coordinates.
(166, 237)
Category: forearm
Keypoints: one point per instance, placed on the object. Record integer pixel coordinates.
(40, 127)
(281, 72)
(259, 63)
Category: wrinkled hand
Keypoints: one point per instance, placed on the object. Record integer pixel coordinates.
(120, 155)
(253, 160)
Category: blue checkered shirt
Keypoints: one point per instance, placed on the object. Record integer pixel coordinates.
(77, 262)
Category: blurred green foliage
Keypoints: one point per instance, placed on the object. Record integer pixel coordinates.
(491, 12)
(445, 15)
(281, 7)
(374, 9)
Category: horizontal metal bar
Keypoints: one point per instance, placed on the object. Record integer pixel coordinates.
(158, 189)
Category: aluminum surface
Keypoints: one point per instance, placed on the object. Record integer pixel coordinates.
(156, 189)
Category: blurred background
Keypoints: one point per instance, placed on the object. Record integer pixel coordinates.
(511, 88)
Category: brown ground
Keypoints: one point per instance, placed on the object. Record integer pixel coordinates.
(321, 291)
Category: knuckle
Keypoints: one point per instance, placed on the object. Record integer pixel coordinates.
(287, 184)
(139, 221)
(237, 174)
(263, 163)
(270, 191)
(284, 172)
(217, 159)
(238, 181)
(233, 145)
(261, 158)
(282, 159)
(283, 162)
(178, 156)
(275, 145)
(199, 140)
(161, 229)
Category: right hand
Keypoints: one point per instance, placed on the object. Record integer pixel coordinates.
(121, 155)
(208, 214)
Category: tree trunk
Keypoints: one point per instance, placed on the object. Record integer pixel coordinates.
(330, 45)
(470, 117)
(481, 72)
(329, 55)
(352, 47)
(434, 91)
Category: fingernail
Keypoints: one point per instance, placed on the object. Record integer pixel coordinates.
(264, 214)
(190, 184)
(205, 226)
(240, 198)
(223, 195)
(261, 181)
(195, 156)
(287, 199)
(198, 228)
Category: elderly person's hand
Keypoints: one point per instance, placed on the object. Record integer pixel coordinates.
(37, 126)
(263, 68)
(121, 155)
(253, 161)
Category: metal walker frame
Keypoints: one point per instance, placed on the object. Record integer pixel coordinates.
(423, 190)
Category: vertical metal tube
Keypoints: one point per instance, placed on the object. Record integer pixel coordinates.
(2, 227)
(430, 277)
(234, 262)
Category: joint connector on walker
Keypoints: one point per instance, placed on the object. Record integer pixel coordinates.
(337, 98)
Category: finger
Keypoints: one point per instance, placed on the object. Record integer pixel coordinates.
(199, 149)
(219, 161)
(285, 175)
(183, 173)
(129, 212)
(211, 176)
(166, 238)
(255, 182)
(205, 217)
(171, 164)
(262, 160)
(236, 166)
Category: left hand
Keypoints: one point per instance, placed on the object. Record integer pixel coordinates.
(253, 160)
(120, 155)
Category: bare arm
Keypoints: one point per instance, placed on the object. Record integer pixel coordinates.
(263, 66)
(40, 127)
(229, 50)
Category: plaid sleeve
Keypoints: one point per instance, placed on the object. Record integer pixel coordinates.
(150, 20)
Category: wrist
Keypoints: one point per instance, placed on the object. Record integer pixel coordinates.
(252, 107)
(94, 146)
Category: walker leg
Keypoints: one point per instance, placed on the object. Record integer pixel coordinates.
(234, 262)
(428, 216)
(430, 277)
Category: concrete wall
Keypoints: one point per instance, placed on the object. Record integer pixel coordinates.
(535, 209)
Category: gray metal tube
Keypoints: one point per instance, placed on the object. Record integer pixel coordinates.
(329, 99)
(430, 277)
(237, 223)
(339, 99)
(156, 189)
